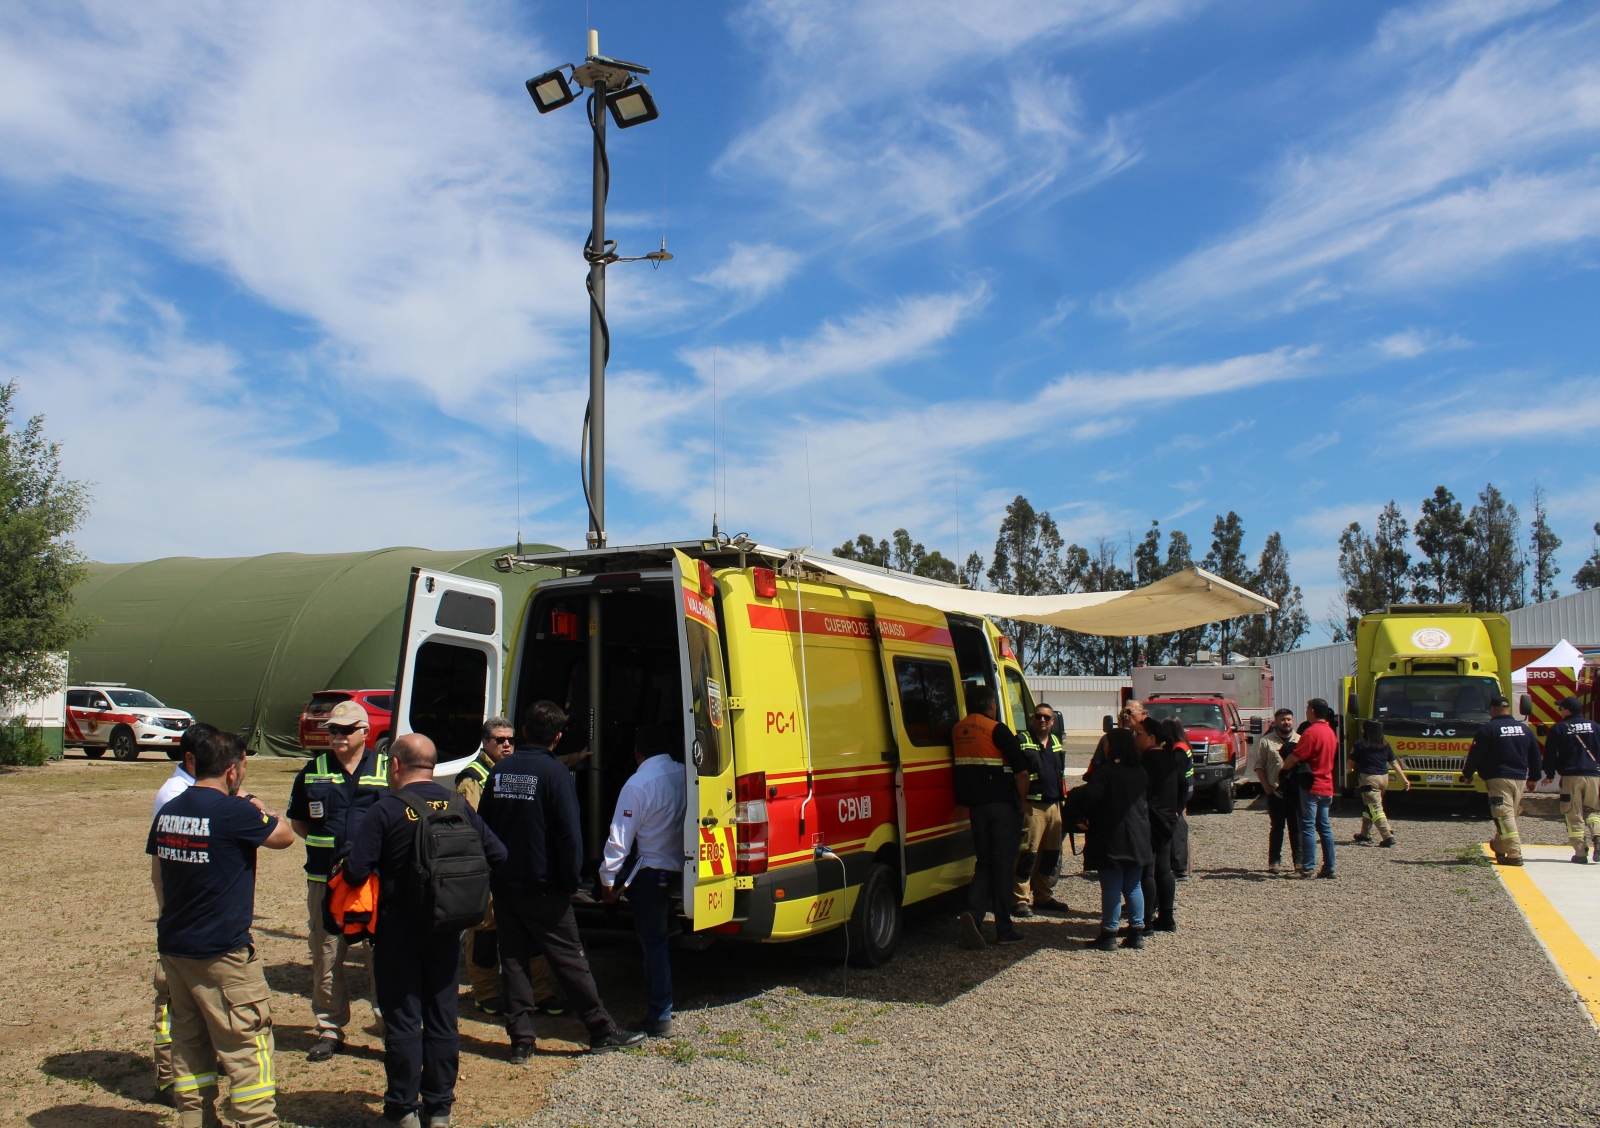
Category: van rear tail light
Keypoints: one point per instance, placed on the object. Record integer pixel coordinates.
(750, 824)
(766, 582)
(708, 582)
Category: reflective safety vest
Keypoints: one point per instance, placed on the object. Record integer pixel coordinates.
(974, 743)
(335, 804)
(1030, 747)
(471, 779)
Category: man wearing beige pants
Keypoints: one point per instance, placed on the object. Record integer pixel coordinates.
(1506, 756)
(202, 849)
(1572, 751)
(1041, 817)
(330, 797)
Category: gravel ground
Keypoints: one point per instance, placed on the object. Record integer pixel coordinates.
(1409, 991)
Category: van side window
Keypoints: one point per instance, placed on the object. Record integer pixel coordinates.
(927, 700)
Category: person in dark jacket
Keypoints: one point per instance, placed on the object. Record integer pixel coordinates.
(531, 803)
(1374, 761)
(1506, 755)
(1114, 808)
(1167, 764)
(1571, 751)
(414, 970)
(990, 775)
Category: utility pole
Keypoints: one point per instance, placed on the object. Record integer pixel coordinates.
(599, 333)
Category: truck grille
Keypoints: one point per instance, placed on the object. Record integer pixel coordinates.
(1433, 763)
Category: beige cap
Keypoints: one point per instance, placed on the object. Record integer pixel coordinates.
(348, 713)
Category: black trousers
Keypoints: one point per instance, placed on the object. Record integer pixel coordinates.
(1284, 814)
(996, 838)
(415, 975)
(1180, 845)
(1160, 886)
(542, 924)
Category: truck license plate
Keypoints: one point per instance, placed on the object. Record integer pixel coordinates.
(1439, 777)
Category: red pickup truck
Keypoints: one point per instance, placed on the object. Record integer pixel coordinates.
(1216, 739)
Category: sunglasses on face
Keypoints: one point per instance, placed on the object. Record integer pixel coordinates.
(502, 740)
(343, 730)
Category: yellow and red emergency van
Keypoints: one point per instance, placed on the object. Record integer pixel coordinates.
(815, 719)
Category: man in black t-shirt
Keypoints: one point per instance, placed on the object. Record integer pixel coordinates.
(202, 849)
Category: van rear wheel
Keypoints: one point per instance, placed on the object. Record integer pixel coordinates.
(874, 927)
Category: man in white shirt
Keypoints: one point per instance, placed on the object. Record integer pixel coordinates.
(644, 855)
(181, 779)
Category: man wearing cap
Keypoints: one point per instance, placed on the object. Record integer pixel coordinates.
(1506, 755)
(1572, 752)
(1041, 816)
(330, 797)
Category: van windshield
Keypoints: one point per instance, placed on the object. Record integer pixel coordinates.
(1420, 698)
(1190, 714)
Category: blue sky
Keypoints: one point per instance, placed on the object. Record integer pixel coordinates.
(274, 271)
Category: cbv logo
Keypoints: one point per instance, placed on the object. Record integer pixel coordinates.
(1438, 732)
(852, 809)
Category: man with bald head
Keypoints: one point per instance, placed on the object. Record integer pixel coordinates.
(414, 968)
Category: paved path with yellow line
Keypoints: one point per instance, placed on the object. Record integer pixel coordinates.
(1561, 902)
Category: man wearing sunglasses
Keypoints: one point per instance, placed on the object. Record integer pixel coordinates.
(483, 956)
(330, 797)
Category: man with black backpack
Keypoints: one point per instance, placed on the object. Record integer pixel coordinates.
(432, 856)
(531, 802)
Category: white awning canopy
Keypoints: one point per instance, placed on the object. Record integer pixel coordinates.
(1190, 598)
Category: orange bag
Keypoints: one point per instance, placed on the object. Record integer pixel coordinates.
(353, 908)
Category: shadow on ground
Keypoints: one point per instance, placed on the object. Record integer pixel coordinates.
(93, 1116)
(130, 1076)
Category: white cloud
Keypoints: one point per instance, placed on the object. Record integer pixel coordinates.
(1318, 443)
(753, 270)
(357, 165)
(966, 121)
(1447, 22)
(1479, 160)
(1522, 411)
(1408, 344)
(856, 345)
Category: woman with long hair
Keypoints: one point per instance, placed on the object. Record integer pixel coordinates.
(1114, 807)
(1164, 755)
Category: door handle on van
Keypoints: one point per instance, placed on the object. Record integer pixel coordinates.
(708, 822)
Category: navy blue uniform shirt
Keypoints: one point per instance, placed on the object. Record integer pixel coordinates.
(206, 842)
(1372, 759)
(531, 802)
(387, 844)
(1503, 749)
(334, 801)
(1571, 748)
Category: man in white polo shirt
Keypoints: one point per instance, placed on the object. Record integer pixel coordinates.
(644, 855)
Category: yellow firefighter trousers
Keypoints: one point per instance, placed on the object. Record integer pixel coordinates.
(1580, 798)
(485, 977)
(330, 994)
(162, 1049)
(221, 1023)
(1041, 837)
(1371, 789)
(1505, 800)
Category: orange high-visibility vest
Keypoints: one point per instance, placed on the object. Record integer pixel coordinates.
(974, 743)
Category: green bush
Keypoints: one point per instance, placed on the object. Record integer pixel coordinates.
(22, 746)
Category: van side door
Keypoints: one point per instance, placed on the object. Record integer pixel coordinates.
(708, 831)
(448, 682)
(921, 677)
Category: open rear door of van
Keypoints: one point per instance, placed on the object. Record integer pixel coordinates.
(448, 683)
(708, 830)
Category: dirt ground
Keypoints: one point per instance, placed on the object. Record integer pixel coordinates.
(77, 926)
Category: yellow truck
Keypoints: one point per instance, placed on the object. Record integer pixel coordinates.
(815, 720)
(1427, 671)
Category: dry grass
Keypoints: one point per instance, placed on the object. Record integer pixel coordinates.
(77, 924)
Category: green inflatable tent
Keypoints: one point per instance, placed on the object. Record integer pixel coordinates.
(243, 643)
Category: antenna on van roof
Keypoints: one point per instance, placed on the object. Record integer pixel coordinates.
(713, 442)
(516, 439)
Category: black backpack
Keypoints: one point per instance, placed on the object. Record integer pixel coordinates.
(448, 890)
